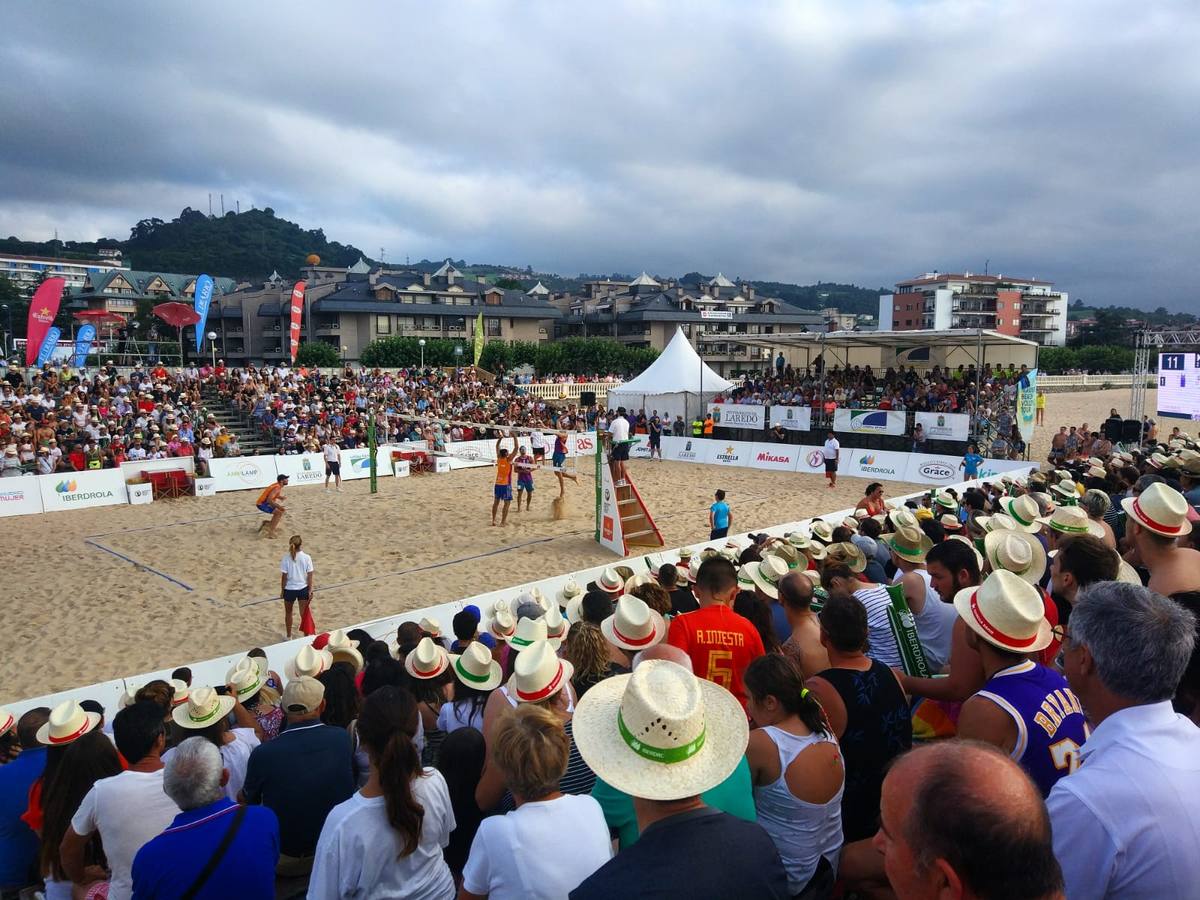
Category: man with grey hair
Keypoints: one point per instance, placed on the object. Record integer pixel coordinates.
(1127, 823)
(214, 848)
(734, 795)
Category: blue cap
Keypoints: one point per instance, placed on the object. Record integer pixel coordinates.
(487, 640)
(473, 610)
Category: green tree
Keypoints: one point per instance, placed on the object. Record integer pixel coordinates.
(1109, 328)
(1057, 360)
(1106, 359)
(321, 354)
(509, 284)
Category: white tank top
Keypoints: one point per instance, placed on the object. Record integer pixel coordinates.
(935, 624)
(803, 832)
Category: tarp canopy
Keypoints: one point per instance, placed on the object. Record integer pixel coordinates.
(677, 383)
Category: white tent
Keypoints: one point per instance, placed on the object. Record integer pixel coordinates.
(677, 383)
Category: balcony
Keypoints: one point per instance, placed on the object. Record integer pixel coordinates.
(231, 330)
(329, 328)
(272, 330)
(974, 306)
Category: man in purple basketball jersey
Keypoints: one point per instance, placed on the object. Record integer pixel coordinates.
(1024, 708)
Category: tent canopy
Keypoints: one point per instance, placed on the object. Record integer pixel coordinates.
(677, 383)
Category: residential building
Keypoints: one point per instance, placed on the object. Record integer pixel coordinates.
(1023, 307)
(645, 313)
(350, 308)
(27, 272)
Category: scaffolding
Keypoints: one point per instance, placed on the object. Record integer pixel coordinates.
(1157, 341)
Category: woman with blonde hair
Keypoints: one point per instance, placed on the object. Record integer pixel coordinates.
(296, 583)
(530, 749)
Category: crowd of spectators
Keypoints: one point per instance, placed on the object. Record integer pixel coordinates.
(739, 722)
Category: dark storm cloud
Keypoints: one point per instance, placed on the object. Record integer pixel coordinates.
(862, 141)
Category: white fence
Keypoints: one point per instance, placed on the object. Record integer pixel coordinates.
(1091, 382)
(212, 671)
(553, 391)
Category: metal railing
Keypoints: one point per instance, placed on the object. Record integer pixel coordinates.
(1096, 382)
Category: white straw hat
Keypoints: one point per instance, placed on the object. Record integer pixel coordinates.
(502, 625)
(556, 626)
(538, 673)
(660, 733)
(179, 691)
(430, 627)
(1023, 511)
(344, 649)
(903, 516)
(610, 581)
(822, 531)
(1017, 552)
(570, 590)
(427, 660)
(1006, 611)
(309, 662)
(1072, 520)
(476, 668)
(767, 574)
(527, 633)
(847, 554)
(68, 722)
(997, 522)
(908, 543)
(203, 708)
(245, 677)
(634, 625)
(7, 721)
(1160, 509)
(574, 610)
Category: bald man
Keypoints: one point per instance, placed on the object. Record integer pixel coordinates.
(961, 820)
(734, 795)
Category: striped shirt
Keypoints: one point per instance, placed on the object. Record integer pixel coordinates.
(881, 639)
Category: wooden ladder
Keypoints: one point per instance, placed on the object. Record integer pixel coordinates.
(636, 523)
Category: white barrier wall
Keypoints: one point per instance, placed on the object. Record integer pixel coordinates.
(79, 490)
(21, 495)
(213, 671)
(301, 468)
(242, 472)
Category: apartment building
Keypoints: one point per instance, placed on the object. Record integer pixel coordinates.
(1022, 307)
(27, 272)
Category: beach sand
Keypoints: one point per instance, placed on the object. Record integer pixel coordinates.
(105, 593)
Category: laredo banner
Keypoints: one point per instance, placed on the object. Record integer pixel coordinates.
(301, 468)
(793, 418)
(738, 415)
(42, 310)
(944, 426)
(49, 343)
(83, 344)
(204, 289)
(869, 421)
(297, 302)
(1027, 405)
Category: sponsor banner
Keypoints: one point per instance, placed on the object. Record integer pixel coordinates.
(580, 443)
(926, 468)
(781, 457)
(79, 490)
(684, 449)
(400, 468)
(135, 468)
(729, 453)
(793, 418)
(878, 464)
(301, 468)
(944, 426)
(202, 300)
(992, 468)
(49, 345)
(296, 310)
(812, 459)
(473, 452)
(83, 344)
(640, 448)
(356, 463)
(738, 415)
(20, 496)
(609, 513)
(242, 472)
(43, 307)
(1027, 405)
(869, 421)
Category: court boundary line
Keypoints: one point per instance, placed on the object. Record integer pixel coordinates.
(139, 565)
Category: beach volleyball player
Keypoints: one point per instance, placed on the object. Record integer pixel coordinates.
(558, 462)
(502, 491)
(270, 501)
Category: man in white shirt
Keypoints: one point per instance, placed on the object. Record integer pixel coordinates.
(333, 462)
(127, 809)
(831, 453)
(619, 448)
(1126, 822)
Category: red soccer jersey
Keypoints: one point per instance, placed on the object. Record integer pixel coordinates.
(721, 644)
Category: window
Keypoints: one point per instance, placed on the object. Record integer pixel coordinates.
(383, 324)
(1016, 323)
(493, 327)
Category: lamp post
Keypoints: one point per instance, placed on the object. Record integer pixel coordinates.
(133, 326)
(345, 350)
(212, 344)
(421, 344)
(458, 356)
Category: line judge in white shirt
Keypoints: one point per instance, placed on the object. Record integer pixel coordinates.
(1126, 821)
(831, 452)
(619, 450)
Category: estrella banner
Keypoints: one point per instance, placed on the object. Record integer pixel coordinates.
(83, 343)
(42, 310)
(1027, 405)
(204, 289)
(49, 342)
(297, 309)
(478, 338)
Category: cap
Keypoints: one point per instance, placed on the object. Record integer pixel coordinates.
(303, 695)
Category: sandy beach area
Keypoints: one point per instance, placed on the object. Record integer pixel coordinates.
(105, 593)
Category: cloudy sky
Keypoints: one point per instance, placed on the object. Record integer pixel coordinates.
(838, 140)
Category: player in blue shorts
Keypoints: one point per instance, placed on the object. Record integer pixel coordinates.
(558, 459)
(502, 492)
(524, 464)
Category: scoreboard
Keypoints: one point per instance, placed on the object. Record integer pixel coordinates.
(1179, 385)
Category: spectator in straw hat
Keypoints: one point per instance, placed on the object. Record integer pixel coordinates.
(177, 862)
(734, 795)
(476, 676)
(344, 649)
(1132, 800)
(128, 809)
(1024, 708)
(678, 585)
(301, 775)
(509, 857)
(960, 820)
(1156, 519)
(935, 620)
(1096, 504)
(664, 737)
(206, 714)
(766, 576)
(804, 644)
(1068, 521)
(633, 626)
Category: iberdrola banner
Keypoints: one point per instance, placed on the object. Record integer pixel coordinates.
(49, 342)
(297, 311)
(83, 343)
(1027, 405)
(478, 338)
(204, 289)
(42, 310)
